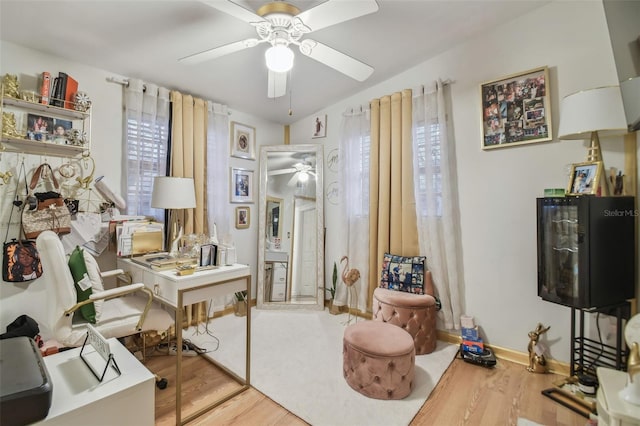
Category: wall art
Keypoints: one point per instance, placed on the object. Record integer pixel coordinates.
(516, 109)
(243, 141)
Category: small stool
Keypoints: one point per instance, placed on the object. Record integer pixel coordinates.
(415, 313)
(378, 360)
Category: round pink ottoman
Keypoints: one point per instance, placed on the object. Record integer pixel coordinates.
(415, 313)
(378, 360)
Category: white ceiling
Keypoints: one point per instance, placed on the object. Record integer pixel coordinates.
(144, 39)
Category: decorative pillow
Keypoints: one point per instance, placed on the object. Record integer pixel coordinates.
(97, 285)
(82, 284)
(403, 273)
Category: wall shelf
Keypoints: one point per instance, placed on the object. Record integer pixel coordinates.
(49, 109)
(44, 147)
(41, 148)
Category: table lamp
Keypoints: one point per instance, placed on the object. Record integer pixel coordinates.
(173, 193)
(590, 114)
(631, 392)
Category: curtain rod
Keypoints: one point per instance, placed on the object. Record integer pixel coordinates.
(125, 83)
(122, 82)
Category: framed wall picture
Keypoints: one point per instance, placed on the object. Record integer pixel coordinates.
(243, 217)
(516, 109)
(243, 141)
(241, 185)
(319, 126)
(585, 178)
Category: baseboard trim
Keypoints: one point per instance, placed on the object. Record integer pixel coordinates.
(556, 367)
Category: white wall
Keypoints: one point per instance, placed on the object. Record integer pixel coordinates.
(497, 188)
(106, 148)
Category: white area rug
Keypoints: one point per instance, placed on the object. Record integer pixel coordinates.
(296, 360)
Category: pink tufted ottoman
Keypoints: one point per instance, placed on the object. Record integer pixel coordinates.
(378, 360)
(415, 313)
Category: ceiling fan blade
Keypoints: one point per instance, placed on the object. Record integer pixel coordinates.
(294, 180)
(334, 12)
(337, 60)
(235, 9)
(277, 85)
(280, 172)
(216, 52)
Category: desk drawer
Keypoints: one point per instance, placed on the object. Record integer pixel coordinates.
(163, 289)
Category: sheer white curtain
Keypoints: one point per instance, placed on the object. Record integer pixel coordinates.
(218, 170)
(146, 136)
(354, 202)
(436, 193)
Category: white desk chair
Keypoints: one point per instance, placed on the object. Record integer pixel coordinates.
(122, 312)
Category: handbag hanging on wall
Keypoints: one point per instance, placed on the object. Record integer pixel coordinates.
(51, 212)
(20, 258)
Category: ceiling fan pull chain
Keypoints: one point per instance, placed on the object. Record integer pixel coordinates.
(289, 85)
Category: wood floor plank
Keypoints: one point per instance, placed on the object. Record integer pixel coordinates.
(466, 395)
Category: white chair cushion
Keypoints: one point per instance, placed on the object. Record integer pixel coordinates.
(120, 317)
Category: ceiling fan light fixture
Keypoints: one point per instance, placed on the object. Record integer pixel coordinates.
(303, 177)
(279, 58)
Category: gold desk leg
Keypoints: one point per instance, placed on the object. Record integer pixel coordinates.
(179, 360)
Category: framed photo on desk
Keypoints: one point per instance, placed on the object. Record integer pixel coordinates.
(208, 254)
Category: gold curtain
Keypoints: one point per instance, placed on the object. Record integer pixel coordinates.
(188, 153)
(393, 223)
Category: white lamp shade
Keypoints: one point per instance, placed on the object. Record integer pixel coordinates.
(279, 58)
(631, 99)
(594, 110)
(173, 193)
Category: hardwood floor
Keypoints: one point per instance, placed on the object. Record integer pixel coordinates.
(466, 395)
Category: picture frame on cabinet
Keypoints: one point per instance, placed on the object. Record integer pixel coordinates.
(243, 141)
(516, 109)
(584, 178)
(241, 185)
(243, 217)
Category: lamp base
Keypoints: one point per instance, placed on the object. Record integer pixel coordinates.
(631, 392)
(174, 252)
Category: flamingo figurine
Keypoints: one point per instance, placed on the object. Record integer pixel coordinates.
(349, 278)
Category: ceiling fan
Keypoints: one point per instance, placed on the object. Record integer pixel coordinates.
(282, 24)
(301, 173)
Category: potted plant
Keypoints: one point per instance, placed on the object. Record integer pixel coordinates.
(240, 303)
(334, 279)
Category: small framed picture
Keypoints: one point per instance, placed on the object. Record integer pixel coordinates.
(516, 109)
(208, 253)
(243, 217)
(241, 185)
(320, 126)
(39, 127)
(60, 128)
(585, 178)
(243, 141)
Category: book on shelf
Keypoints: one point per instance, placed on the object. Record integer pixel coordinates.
(45, 87)
(70, 92)
(55, 92)
(62, 89)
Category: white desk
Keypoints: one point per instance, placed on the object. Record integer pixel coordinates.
(80, 399)
(180, 291)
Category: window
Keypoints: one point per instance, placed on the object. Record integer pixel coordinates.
(146, 158)
(429, 170)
